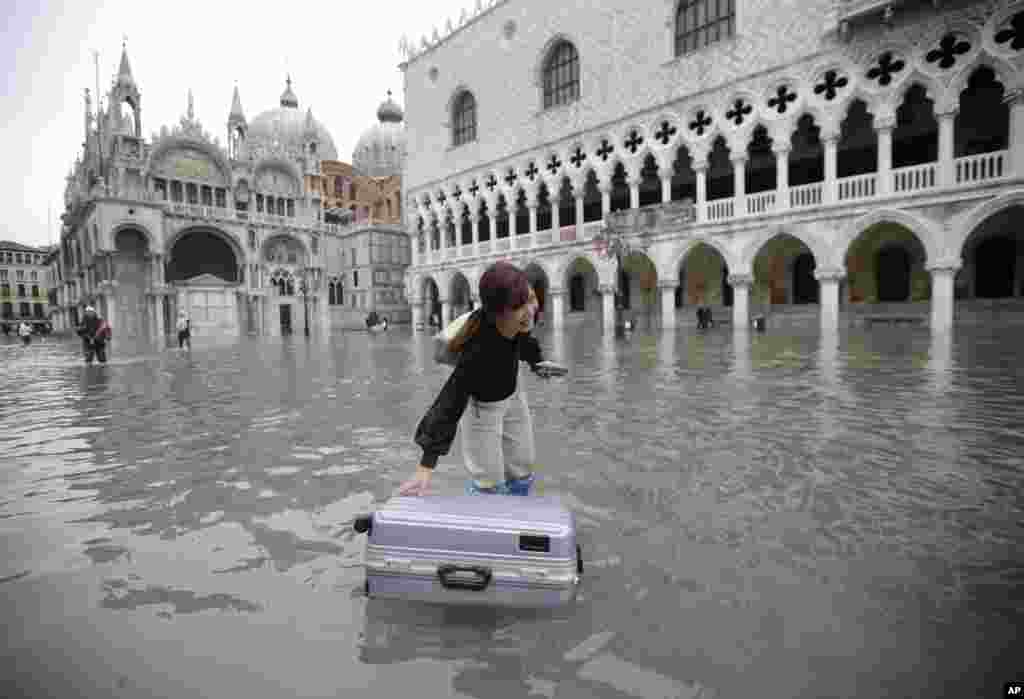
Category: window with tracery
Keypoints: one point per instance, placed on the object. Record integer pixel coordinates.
(464, 119)
(561, 75)
(700, 23)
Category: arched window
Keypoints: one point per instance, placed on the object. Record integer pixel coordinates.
(464, 119)
(703, 22)
(562, 75)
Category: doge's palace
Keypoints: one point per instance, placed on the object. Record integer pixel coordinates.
(828, 161)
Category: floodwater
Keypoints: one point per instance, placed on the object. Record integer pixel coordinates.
(770, 515)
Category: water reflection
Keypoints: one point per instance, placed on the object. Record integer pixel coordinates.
(793, 515)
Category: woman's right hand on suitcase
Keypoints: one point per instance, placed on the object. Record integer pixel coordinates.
(418, 484)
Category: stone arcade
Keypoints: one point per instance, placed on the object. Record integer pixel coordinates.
(826, 163)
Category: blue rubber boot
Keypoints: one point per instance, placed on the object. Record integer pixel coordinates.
(473, 489)
(519, 486)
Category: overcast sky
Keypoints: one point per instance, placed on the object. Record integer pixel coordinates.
(343, 56)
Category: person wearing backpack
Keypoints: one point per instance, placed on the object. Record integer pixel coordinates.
(486, 348)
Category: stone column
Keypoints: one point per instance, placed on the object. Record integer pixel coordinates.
(446, 311)
(111, 309)
(884, 130)
(608, 307)
(666, 189)
(511, 207)
(414, 246)
(1015, 98)
(831, 141)
(668, 305)
(533, 222)
(700, 170)
(579, 210)
(739, 183)
(781, 150)
(474, 222)
(741, 284)
(606, 197)
(161, 330)
(828, 284)
(633, 180)
(417, 312)
(557, 299)
(442, 235)
(943, 275)
(947, 175)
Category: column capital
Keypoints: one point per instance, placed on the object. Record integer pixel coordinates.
(829, 274)
(885, 123)
(782, 147)
(949, 265)
(1014, 96)
(555, 292)
(667, 284)
(737, 280)
(606, 289)
(739, 158)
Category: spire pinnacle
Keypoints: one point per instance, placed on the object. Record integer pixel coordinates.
(236, 106)
(124, 73)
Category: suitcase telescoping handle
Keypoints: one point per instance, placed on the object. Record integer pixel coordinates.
(454, 577)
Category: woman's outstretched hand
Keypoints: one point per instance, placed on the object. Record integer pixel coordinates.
(418, 484)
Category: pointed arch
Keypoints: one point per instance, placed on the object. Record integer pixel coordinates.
(818, 247)
(604, 271)
(677, 254)
(927, 231)
(1003, 71)
(964, 225)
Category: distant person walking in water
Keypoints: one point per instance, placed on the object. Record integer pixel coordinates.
(95, 333)
(25, 332)
(184, 330)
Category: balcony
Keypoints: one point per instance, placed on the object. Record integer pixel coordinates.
(900, 183)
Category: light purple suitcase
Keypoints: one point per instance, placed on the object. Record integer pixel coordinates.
(499, 550)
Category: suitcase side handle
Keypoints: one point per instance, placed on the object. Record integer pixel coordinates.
(454, 577)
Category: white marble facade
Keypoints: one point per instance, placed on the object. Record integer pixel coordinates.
(759, 130)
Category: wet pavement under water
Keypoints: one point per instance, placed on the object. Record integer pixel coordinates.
(770, 515)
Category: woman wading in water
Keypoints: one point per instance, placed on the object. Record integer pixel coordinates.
(497, 439)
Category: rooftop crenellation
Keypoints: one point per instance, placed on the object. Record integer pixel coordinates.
(411, 51)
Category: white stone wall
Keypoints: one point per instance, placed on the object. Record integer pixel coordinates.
(629, 72)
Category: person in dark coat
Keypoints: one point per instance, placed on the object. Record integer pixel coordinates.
(95, 332)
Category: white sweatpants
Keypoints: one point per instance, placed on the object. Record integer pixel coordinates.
(497, 439)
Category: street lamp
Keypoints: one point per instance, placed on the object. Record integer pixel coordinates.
(304, 288)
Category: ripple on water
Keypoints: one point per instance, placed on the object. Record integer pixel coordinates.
(765, 512)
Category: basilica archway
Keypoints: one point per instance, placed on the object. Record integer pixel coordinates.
(198, 252)
(638, 288)
(204, 264)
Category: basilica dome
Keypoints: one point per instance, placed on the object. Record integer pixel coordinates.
(380, 151)
(286, 126)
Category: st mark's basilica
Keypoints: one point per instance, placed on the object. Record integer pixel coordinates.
(267, 234)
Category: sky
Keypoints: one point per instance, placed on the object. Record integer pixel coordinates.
(343, 57)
